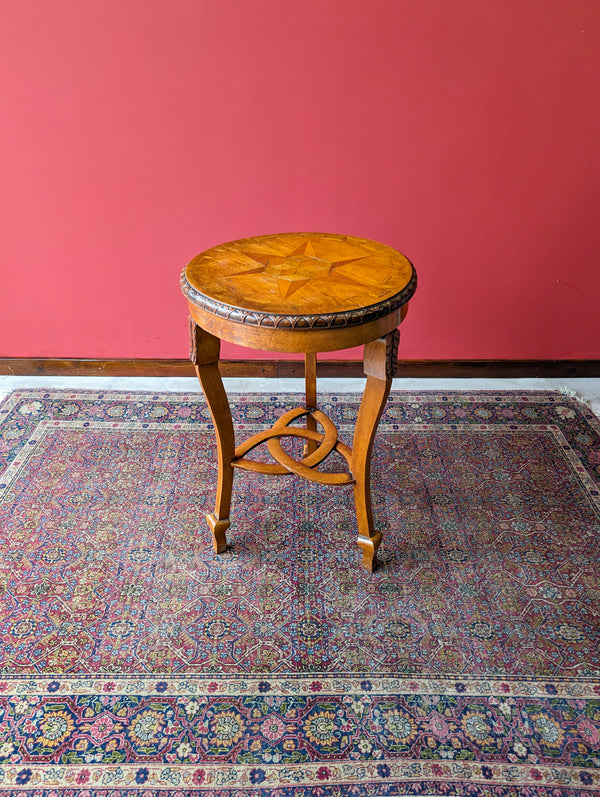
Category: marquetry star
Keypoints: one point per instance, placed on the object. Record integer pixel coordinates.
(292, 271)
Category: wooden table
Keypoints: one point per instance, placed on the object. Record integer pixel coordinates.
(299, 292)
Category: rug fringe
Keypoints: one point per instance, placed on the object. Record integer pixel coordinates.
(567, 391)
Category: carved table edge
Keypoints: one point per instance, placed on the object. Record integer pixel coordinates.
(349, 318)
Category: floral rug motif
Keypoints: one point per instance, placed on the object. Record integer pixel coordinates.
(133, 661)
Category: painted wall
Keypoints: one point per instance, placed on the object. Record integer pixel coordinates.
(135, 133)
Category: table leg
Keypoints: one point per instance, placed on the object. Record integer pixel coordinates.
(310, 383)
(379, 366)
(204, 353)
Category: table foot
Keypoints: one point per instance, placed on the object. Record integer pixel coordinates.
(218, 528)
(369, 546)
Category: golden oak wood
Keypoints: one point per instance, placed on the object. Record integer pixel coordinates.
(299, 292)
(288, 340)
(299, 273)
(204, 353)
(310, 381)
(295, 292)
(379, 364)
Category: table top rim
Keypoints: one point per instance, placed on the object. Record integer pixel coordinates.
(300, 321)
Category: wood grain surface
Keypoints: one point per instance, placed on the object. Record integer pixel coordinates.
(271, 277)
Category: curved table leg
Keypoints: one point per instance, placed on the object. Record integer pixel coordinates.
(204, 353)
(379, 367)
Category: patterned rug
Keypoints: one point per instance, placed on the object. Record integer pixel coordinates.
(133, 661)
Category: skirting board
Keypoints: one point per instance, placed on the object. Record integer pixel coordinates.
(438, 369)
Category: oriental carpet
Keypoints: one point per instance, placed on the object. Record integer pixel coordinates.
(133, 661)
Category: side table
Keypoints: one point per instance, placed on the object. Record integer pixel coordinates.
(299, 292)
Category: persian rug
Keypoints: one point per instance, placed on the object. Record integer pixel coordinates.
(133, 661)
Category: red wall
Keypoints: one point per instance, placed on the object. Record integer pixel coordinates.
(135, 133)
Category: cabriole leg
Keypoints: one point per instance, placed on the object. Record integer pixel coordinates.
(204, 353)
(379, 367)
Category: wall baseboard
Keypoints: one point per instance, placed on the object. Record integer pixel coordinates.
(438, 369)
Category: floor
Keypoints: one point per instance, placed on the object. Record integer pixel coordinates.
(586, 389)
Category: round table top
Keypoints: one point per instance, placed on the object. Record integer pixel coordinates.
(299, 281)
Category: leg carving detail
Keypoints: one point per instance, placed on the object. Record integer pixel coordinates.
(379, 366)
(204, 353)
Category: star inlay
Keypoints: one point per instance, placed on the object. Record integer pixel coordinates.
(294, 270)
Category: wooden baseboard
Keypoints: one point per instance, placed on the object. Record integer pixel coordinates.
(438, 369)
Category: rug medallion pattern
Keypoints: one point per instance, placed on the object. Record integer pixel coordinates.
(133, 661)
